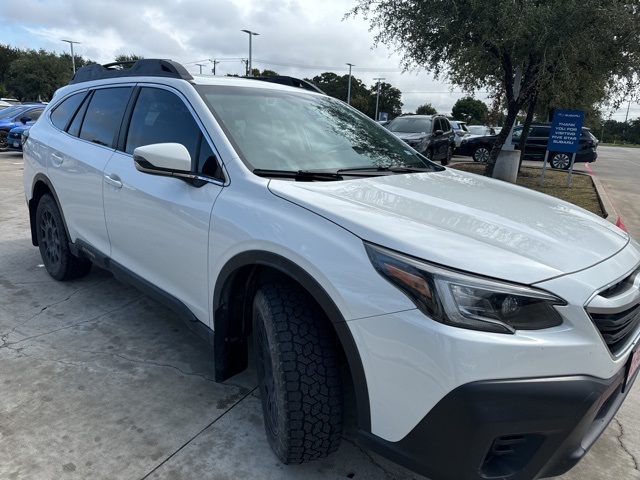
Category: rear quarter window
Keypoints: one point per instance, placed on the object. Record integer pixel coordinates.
(62, 114)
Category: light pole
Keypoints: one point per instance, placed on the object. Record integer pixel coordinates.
(200, 65)
(349, 87)
(377, 97)
(73, 60)
(249, 66)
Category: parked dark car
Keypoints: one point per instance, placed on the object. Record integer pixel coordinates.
(479, 148)
(430, 135)
(15, 116)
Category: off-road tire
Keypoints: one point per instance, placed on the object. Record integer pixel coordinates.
(298, 373)
(54, 243)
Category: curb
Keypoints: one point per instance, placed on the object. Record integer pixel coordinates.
(610, 212)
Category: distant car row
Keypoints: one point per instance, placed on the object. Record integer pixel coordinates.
(479, 147)
(438, 138)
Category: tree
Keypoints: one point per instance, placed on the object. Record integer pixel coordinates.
(555, 48)
(128, 58)
(267, 73)
(338, 86)
(7, 55)
(470, 110)
(389, 100)
(426, 109)
(36, 75)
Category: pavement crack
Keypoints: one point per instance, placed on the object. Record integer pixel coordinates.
(6, 343)
(43, 309)
(185, 444)
(624, 447)
(149, 362)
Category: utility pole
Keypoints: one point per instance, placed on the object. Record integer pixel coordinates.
(377, 97)
(246, 66)
(215, 62)
(200, 65)
(73, 60)
(349, 88)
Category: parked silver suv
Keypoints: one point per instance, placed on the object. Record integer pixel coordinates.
(488, 331)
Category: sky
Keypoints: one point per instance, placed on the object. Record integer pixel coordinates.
(301, 38)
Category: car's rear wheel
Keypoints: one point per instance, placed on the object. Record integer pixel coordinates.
(481, 154)
(560, 160)
(4, 142)
(298, 373)
(54, 243)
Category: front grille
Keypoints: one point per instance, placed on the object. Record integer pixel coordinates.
(615, 311)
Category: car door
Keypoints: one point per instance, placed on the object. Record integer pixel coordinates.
(76, 160)
(537, 143)
(158, 225)
(441, 140)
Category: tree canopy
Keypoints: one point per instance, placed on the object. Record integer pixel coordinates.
(426, 109)
(470, 110)
(362, 98)
(567, 53)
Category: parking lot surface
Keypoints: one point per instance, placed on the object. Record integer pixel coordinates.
(98, 381)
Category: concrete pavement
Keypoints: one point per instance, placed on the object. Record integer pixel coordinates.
(99, 381)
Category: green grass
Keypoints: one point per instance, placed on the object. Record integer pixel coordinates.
(581, 190)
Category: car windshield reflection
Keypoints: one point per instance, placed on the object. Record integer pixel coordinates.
(283, 130)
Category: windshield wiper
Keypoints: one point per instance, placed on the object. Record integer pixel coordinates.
(391, 168)
(299, 175)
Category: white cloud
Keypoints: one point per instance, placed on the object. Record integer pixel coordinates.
(294, 34)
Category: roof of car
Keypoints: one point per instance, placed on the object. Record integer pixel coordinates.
(153, 67)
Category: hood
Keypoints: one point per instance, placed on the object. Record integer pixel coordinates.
(464, 221)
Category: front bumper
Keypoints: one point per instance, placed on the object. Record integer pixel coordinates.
(509, 429)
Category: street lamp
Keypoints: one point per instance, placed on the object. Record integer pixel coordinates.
(251, 34)
(73, 60)
(349, 88)
(377, 97)
(200, 65)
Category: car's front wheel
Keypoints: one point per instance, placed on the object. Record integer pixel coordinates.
(481, 154)
(298, 373)
(54, 243)
(560, 160)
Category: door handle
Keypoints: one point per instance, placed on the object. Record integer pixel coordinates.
(56, 160)
(114, 181)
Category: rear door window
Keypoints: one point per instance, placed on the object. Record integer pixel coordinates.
(104, 115)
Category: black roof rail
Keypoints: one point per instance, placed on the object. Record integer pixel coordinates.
(290, 81)
(147, 67)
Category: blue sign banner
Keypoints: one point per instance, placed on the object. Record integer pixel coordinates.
(565, 131)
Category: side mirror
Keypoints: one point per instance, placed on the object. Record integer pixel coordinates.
(437, 133)
(25, 119)
(162, 159)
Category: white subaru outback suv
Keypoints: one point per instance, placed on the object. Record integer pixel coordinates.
(489, 331)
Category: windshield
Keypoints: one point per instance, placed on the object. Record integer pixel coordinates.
(410, 125)
(288, 130)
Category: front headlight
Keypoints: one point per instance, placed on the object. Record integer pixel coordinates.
(464, 300)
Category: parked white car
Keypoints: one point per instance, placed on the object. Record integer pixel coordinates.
(489, 331)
